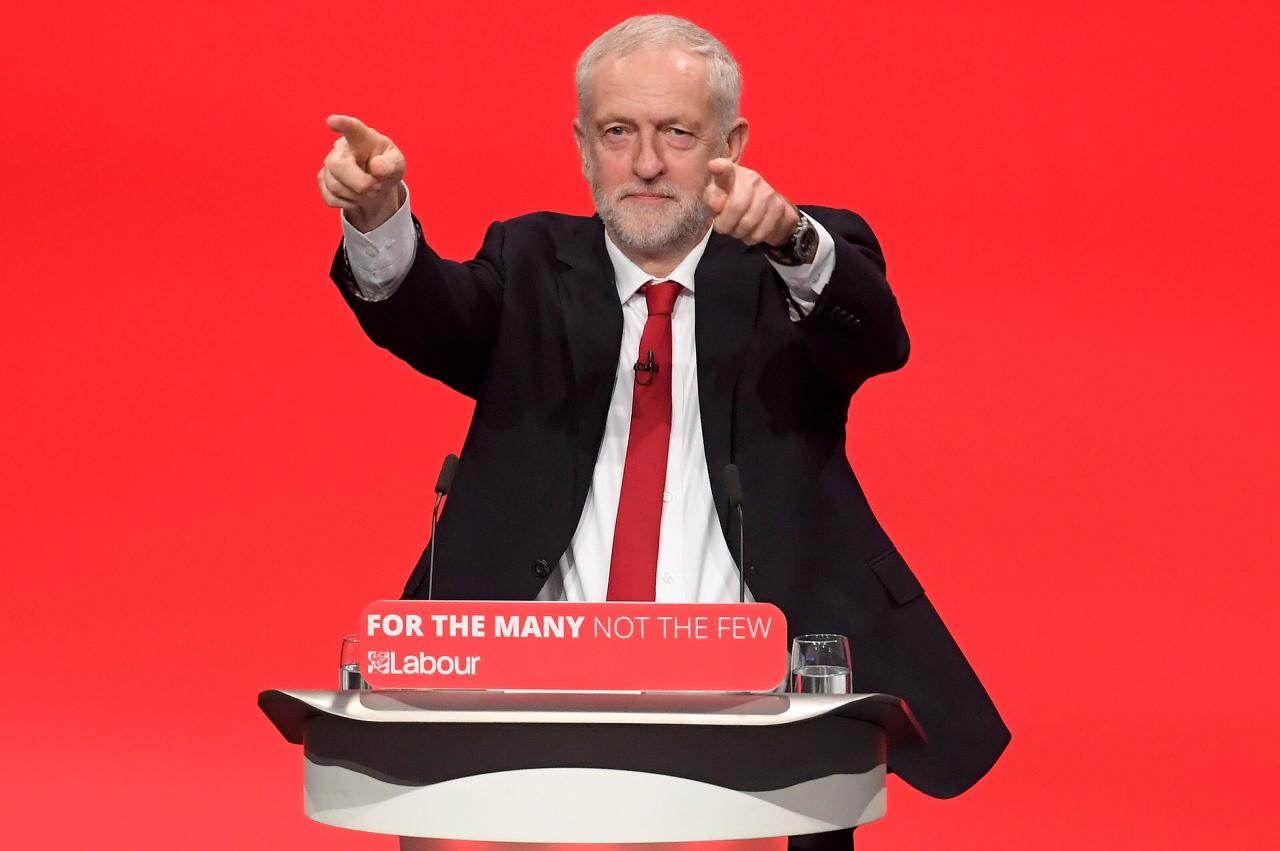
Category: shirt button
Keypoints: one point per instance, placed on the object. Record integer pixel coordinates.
(667, 578)
(370, 252)
(666, 496)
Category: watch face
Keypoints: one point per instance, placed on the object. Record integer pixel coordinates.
(807, 242)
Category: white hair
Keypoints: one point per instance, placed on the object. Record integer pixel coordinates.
(723, 76)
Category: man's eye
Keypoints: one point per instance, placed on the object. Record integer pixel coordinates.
(681, 139)
(615, 131)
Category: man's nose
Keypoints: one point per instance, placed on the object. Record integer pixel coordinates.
(648, 162)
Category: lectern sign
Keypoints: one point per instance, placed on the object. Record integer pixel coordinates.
(571, 646)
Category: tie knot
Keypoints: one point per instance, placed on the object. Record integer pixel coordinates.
(661, 297)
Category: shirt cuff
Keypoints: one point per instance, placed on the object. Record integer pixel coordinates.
(380, 259)
(807, 280)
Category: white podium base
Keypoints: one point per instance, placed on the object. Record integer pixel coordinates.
(588, 805)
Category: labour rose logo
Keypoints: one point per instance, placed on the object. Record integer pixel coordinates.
(379, 661)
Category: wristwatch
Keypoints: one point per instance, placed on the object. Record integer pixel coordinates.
(800, 248)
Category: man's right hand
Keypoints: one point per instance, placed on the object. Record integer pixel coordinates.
(362, 173)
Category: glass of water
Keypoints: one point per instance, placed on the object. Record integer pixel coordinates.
(820, 664)
(350, 664)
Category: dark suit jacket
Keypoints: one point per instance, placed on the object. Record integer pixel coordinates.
(531, 330)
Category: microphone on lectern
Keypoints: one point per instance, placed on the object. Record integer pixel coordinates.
(443, 483)
(733, 485)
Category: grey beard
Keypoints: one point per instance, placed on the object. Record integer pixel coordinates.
(653, 232)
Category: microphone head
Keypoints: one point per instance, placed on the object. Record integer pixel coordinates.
(447, 470)
(733, 484)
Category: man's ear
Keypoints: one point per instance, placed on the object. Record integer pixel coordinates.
(736, 142)
(580, 139)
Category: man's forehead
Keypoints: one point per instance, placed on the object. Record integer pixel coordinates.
(667, 59)
(670, 80)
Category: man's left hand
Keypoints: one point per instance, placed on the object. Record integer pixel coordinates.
(746, 207)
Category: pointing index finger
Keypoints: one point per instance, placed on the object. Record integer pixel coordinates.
(722, 173)
(360, 136)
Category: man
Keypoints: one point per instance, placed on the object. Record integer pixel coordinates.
(620, 362)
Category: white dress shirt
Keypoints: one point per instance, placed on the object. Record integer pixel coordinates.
(694, 562)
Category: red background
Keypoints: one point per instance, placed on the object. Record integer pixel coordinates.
(205, 457)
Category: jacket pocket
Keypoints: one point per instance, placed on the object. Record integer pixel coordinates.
(893, 573)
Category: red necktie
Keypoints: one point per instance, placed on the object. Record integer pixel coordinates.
(633, 569)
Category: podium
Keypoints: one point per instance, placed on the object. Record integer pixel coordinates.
(591, 767)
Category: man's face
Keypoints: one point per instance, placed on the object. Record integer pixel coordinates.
(645, 146)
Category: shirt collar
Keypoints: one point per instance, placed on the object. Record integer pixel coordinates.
(630, 278)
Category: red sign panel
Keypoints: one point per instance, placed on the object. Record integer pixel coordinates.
(573, 646)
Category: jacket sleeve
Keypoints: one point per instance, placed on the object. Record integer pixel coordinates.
(855, 329)
(443, 318)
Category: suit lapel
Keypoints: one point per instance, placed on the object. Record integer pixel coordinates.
(728, 296)
(593, 327)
